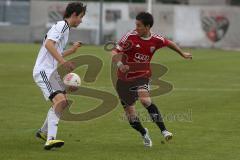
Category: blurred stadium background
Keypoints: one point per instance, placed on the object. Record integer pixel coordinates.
(191, 23)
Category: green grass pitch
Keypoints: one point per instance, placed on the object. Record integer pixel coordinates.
(206, 90)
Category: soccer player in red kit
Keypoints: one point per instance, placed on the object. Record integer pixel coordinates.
(132, 56)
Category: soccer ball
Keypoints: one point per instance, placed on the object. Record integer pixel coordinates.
(72, 80)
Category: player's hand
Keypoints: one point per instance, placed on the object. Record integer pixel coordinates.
(69, 66)
(187, 55)
(124, 68)
(75, 46)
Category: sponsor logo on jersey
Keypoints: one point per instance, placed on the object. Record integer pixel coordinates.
(141, 57)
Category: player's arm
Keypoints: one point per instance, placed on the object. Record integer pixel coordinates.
(72, 49)
(177, 49)
(117, 58)
(50, 46)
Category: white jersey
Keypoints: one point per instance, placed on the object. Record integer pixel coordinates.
(59, 33)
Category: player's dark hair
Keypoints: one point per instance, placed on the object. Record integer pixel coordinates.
(146, 18)
(76, 7)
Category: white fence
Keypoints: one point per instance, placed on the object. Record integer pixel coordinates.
(191, 26)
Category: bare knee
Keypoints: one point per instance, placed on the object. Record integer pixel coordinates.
(146, 101)
(130, 112)
(144, 97)
(60, 103)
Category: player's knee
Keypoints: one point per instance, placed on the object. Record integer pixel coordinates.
(59, 100)
(60, 106)
(145, 102)
(63, 103)
(130, 112)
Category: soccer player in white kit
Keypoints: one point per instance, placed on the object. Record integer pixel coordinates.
(45, 75)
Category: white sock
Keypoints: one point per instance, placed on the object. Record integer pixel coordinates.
(53, 120)
(44, 127)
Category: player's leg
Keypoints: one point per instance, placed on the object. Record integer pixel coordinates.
(153, 111)
(135, 123)
(55, 112)
(42, 132)
(45, 125)
(50, 84)
(144, 97)
(40, 80)
(128, 99)
(133, 119)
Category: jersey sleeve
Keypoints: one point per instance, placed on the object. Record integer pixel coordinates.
(56, 32)
(121, 44)
(161, 41)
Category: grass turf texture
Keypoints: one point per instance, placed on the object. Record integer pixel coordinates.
(206, 89)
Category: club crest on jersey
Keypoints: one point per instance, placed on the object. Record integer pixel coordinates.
(152, 49)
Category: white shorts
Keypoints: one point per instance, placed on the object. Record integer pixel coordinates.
(49, 83)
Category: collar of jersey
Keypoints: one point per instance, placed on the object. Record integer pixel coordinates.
(67, 23)
(148, 38)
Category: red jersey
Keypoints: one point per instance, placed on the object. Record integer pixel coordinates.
(137, 53)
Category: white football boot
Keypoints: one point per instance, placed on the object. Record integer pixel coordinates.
(167, 135)
(146, 139)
